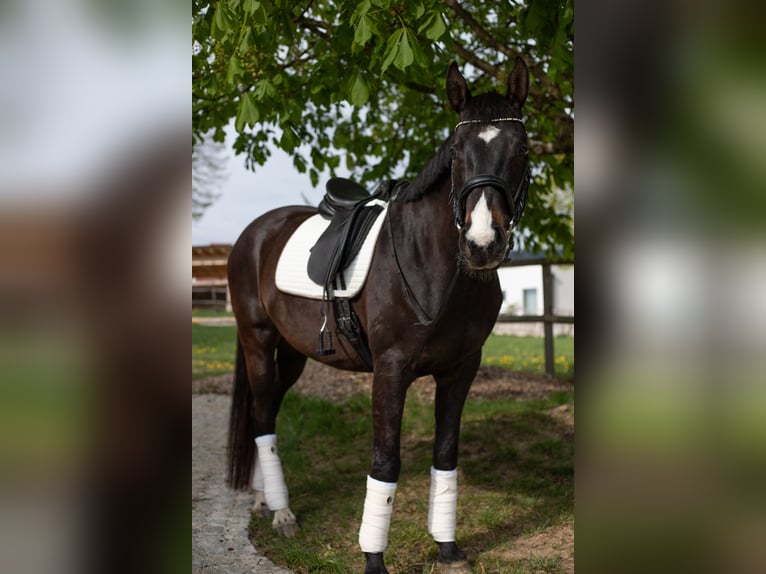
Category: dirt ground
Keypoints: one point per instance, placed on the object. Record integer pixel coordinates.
(491, 382)
(325, 382)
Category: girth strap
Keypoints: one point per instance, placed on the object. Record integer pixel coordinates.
(351, 329)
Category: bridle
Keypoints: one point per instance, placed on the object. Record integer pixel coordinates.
(516, 201)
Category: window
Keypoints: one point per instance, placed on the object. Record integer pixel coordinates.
(530, 301)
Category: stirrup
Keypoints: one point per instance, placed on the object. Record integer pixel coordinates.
(323, 350)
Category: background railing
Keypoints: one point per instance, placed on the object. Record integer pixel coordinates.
(548, 319)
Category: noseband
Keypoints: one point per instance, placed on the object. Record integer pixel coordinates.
(516, 201)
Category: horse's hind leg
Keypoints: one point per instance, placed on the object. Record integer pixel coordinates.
(269, 384)
(290, 364)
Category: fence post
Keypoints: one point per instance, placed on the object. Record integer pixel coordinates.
(550, 368)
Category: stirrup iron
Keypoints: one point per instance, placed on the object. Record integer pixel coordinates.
(325, 334)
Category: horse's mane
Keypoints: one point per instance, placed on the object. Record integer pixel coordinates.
(436, 168)
(482, 107)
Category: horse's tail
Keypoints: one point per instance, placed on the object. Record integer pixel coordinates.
(241, 449)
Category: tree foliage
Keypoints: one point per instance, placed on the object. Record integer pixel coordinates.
(362, 84)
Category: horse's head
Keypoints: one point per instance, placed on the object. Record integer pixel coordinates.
(490, 172)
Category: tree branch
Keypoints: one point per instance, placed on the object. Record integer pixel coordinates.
(479, 30)
(550, 148)
(492, 42)
(473, 59)
(419, 88)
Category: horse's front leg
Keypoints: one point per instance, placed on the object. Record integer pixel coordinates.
(388, 395)
(451, 391)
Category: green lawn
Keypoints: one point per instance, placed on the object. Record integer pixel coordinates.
(516, 479)
(528, 354)
(516, 469)
(213, 349)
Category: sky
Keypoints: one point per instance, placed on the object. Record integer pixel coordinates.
(245, 195)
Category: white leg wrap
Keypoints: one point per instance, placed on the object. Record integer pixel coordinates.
(274, 486)
(378, 506)
(442, 506)
(257, 481)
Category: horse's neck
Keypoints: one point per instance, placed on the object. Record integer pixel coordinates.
(428, 235)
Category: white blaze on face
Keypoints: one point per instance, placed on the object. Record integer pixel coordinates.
(488, 133)
(481, 233)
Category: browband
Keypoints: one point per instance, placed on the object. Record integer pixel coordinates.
(466, 122)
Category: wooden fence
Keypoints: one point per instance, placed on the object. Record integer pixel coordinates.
(548, 319)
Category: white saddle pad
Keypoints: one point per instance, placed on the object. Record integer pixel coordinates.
(292, 275)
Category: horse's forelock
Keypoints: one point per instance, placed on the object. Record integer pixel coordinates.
(489, 106)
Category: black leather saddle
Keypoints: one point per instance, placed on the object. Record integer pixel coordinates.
(341, 195)
(345, 204)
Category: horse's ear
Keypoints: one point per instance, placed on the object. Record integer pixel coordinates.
(518, 82)
(457, 90)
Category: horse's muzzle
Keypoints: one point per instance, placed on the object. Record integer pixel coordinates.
(484, 257)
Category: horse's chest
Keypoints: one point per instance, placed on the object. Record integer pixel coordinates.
(461, 332)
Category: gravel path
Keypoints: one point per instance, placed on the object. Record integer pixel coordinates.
(219, 514)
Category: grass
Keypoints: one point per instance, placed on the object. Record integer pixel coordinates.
(528, 354)
(516, 470)
(516, 479)
(213, 349)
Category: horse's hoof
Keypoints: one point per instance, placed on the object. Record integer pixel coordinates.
(459, 567)
(260, 508)
(260, 511)
(374, 563)
(285, 524)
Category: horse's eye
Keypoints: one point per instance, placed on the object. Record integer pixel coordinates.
(452, 152)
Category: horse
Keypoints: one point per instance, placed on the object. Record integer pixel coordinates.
(430, 300)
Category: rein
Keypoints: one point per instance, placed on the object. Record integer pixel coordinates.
(424, 319)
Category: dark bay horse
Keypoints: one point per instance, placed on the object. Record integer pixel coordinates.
(429, 302)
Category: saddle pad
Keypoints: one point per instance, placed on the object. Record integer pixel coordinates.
(292, 276)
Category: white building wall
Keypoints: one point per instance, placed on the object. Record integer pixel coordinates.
(513, 282)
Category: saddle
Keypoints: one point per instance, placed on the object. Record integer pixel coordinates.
(346, 205)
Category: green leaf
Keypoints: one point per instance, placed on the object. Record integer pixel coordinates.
(288, 140)
(360, 93)
(234, 70)
(223, 22)
(419, 10)
(299, 163)
(360, 11)
(417, 50)
(392, 49)
(434, 26)
(248, 112)
(363, 31)
(250, 6)
(404, 56)
(246, 41)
